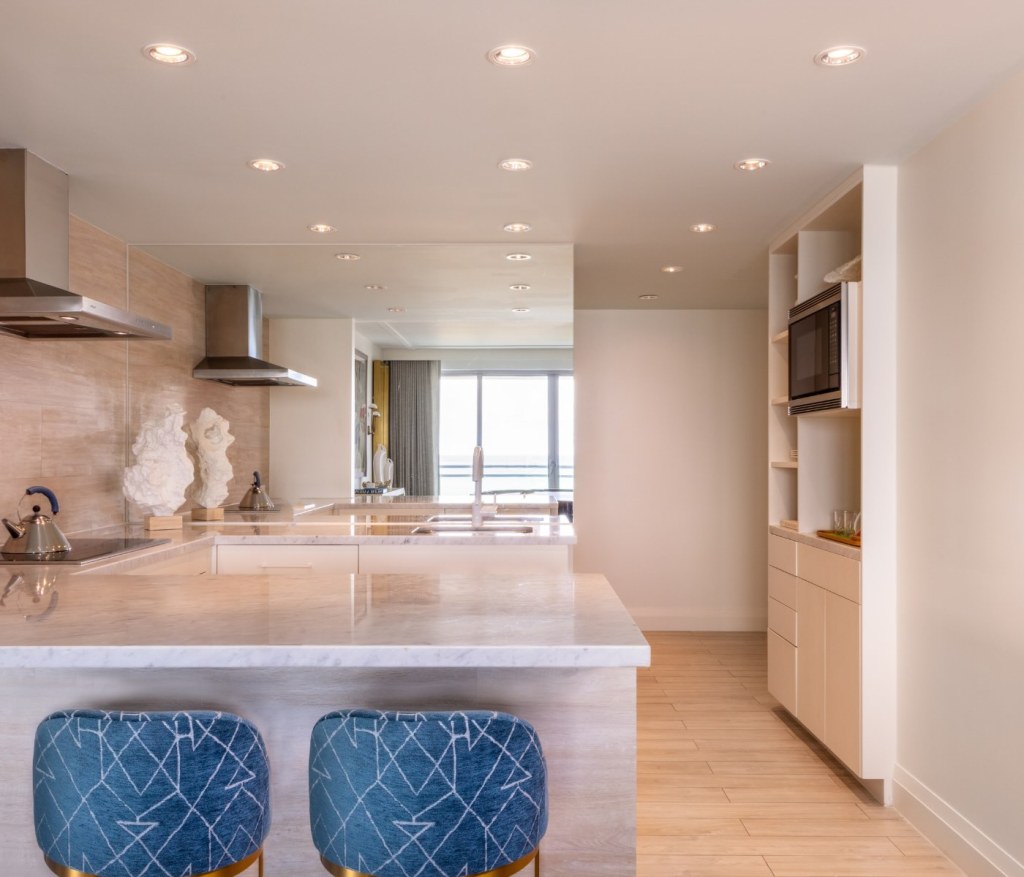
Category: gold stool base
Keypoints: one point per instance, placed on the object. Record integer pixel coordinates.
(226, 871)
(504, 871)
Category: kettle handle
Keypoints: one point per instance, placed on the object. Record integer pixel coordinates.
(256, 479)
(49, 494)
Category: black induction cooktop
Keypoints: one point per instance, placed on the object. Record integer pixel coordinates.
(83, 551)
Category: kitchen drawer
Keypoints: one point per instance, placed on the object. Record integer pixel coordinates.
(286, 559)
(840, 575)
(782, 553)
(782, 620)
(782, 587)
(782, 671)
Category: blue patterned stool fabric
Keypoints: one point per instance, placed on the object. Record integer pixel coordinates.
(167, 794)
(432, 794)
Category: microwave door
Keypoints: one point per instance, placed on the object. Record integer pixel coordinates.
(812, 354)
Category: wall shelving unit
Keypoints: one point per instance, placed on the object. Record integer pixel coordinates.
(832, 644)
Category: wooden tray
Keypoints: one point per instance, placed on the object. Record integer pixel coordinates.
(837, 537)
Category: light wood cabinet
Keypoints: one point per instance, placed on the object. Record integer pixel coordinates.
(815, 646)
(810, 658)
(843, 730)
(782, 670)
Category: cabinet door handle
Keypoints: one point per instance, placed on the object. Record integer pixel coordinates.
(285, 566)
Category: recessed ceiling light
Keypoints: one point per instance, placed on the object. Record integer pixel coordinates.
(752, 164)
(703, 227)
(348, 257)
(166, 53)
(376, 287)
(396, 310)
(69, 319)
(672, 269)
(647, 297)
(519, 287)
(511, 56)
(320, 227)
(515, 164)
(520, 310)
(268, 165)
(839, 56)
(518, 226)
(518, 257)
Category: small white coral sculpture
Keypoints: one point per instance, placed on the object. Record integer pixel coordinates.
(163, 469)
(847, 271)
(210, 443)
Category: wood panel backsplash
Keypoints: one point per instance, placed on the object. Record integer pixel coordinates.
(72, 408)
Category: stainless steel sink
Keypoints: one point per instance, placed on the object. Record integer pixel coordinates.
(454, 527)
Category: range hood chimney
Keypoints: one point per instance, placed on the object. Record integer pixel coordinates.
(234, 342)
(34, 243)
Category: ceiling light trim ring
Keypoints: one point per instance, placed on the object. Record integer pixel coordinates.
(169, 54)
(266, 165)
(511, 56)
(840, 56)
(515, 165)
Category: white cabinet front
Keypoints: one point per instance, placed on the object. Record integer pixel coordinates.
(286, 559)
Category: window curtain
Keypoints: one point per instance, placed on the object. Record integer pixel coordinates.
(414, 388)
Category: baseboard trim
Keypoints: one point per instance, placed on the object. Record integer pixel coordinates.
(654, 620)
(967, 845)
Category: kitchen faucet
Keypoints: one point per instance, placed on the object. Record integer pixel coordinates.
(478, 478)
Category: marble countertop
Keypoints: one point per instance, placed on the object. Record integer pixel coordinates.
(339, 620)
(829, 545)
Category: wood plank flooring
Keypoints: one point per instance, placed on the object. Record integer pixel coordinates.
(730, 785)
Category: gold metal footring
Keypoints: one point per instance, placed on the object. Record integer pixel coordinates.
(226, 871)
(504, 871)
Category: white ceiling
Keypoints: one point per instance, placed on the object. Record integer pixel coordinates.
(391, 123)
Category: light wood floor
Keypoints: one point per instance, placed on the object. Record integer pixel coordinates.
(729, 785)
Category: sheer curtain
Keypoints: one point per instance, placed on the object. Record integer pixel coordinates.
(415, 390)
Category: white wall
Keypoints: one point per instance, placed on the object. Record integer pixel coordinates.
(670, 463)
(311, 430)
(961, 485)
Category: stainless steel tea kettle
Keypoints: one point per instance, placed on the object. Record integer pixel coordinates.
(256, 499)
(36, 534)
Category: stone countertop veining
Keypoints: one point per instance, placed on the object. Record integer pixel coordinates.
(329, 620)
(830, 545)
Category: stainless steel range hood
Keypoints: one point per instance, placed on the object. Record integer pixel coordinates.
(234, 342)
(34, 301)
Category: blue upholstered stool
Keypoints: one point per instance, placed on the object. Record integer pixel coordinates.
(161, 793)
(434, 794)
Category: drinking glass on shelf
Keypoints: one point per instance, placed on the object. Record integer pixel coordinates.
(845, 522)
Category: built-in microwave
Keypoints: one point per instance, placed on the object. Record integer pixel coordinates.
(824, 351)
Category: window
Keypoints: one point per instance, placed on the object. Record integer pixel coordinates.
(524, 423)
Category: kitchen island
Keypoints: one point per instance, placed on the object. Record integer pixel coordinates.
(558, 650)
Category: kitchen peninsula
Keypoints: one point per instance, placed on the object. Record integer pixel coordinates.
(557, 649)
